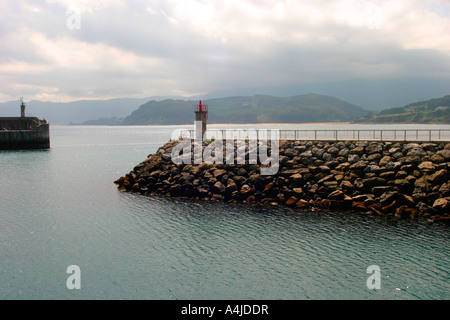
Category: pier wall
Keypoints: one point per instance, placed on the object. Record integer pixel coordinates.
(24, 133)
(383, 178)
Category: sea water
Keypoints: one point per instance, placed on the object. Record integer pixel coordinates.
(60, 208)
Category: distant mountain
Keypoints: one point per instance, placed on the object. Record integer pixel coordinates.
(373, 95)
(257, 109)
(114, 121)
(77, 111)
(430, 111)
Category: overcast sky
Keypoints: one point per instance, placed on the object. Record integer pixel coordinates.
(63, 50)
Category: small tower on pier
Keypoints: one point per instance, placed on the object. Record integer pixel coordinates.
(22, 108)
(201, 115)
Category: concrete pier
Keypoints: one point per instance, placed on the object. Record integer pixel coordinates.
(21, 133)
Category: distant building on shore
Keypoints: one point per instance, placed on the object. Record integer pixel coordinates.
(20, 133)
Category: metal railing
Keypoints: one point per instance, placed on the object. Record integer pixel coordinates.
(377, 135)
(357, 135)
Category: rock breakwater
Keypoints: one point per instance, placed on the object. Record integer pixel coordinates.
(401, 179)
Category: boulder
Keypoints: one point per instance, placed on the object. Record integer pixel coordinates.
(393, 165)
(357, 150)
(219, 187)
(416, 152)
(388, 197)
(353, 158)
(444, 154)
(422, 185)
(435, 158)
(374, 148)
(337, 195)
(333, 151)
(425, 209)
(317, 152)
(246, 189)
(401, 174)
(405, 212)
(377, 191)
(442, 205)
(374, 182)
(219, 173)
(385, 160)
(374, 157)
(360, 165)
(302, 203)
(426, 166)
(296, 179)
(346, 186)
(388, 175)
(410, 146)
(291, 201)
(372, 168)
(439, 177)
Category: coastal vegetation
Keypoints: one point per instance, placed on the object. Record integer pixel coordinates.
(307, 108)
(430, 111)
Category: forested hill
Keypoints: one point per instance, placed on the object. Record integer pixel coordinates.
(430, 111)
(307, 108)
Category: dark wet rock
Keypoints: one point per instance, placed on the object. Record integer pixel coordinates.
(442, 205)
(426, 166)
(435, 158)
(377, 191)
(372, 168)
(444, 154)
(360, 165)
(439, 177)
(393, 165)
(374, 157)
(388, 175)
(353, 158)
(374, 182)
(358, 150)
(380, 178)
(385, 160)
(401, 174)
(404, 212)
(444, 189)
(374, 148)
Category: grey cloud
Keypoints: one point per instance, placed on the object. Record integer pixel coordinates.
(191, 62)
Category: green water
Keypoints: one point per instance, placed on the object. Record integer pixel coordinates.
(60, 208)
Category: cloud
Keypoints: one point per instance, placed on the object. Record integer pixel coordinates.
(142, 48)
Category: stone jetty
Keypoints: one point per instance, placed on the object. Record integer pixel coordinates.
(399, 179)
